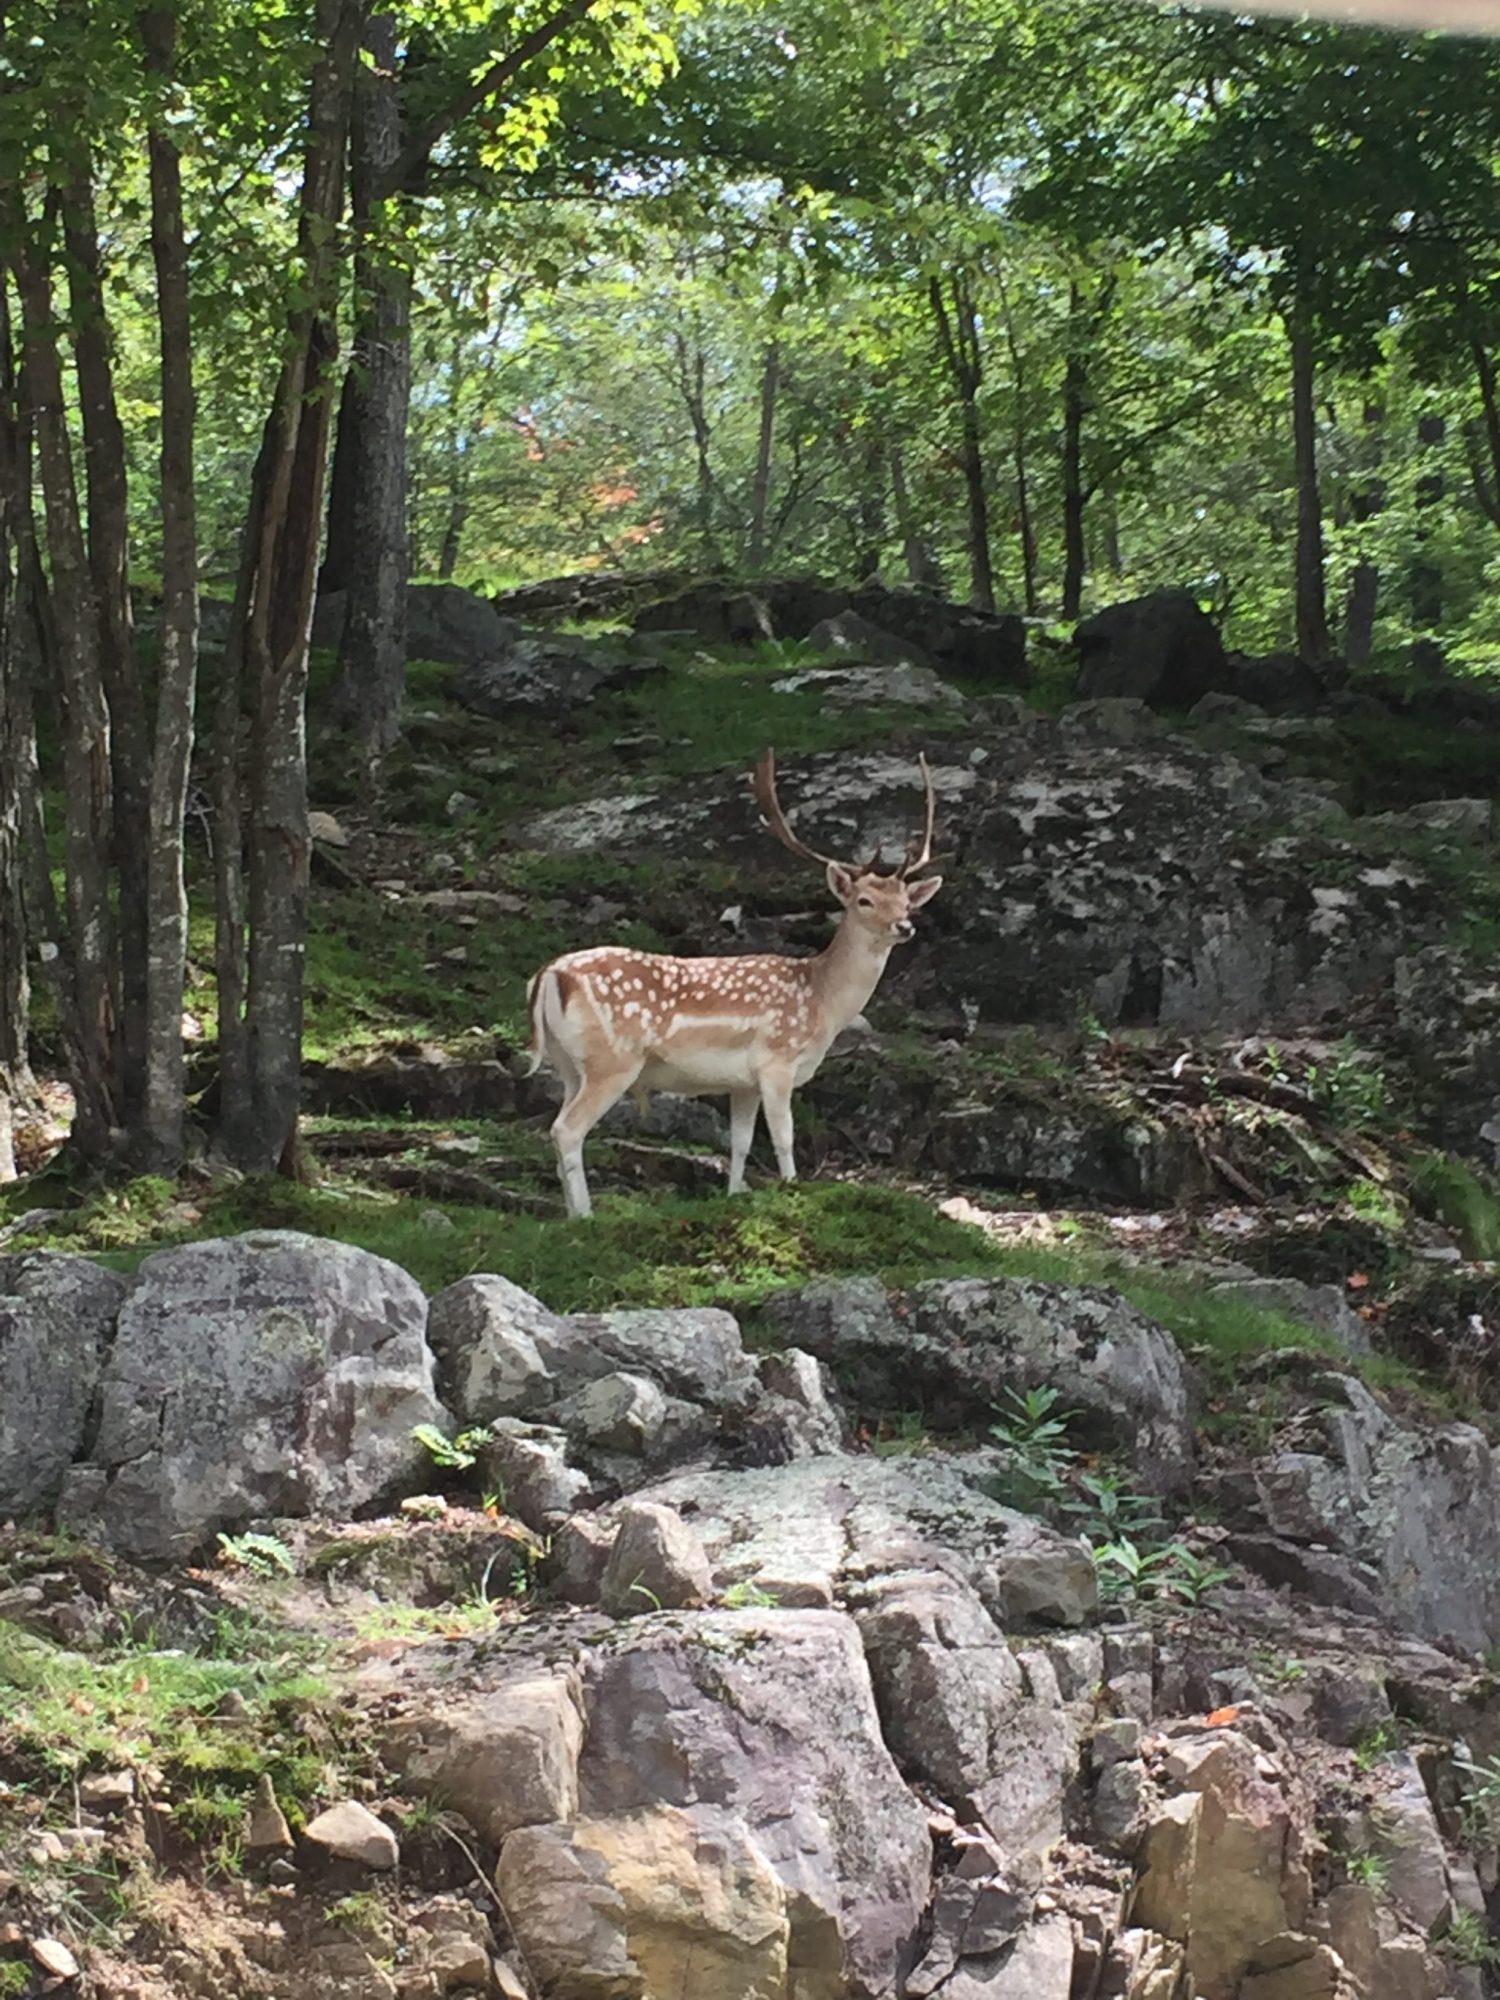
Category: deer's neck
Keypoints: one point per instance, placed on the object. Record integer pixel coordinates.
(846, 974)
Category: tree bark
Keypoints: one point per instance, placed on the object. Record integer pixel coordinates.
(1425, 577)
(1484, 368)
(760, 492)
(261, 1073)
(109, 568)
(921, 566)
(370, 681)
(1311, 599)
(1365, 504)
(958, 336)
(1074, 496)
(92, 1008)
(160, 1138)
(15, 756)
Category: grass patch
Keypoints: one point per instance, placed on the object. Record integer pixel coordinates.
(139, 1707)
(1464, 1198)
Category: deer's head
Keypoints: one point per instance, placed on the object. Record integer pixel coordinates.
(879, 906)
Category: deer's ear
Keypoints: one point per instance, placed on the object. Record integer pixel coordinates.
(919, 893)
(841, 880)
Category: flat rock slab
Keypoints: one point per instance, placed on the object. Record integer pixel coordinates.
(807, 1531)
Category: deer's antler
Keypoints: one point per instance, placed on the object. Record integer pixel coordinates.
(914, 862)
(775, 818)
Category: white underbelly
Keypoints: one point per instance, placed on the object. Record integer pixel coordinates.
(715, 1073)
(703, 1075)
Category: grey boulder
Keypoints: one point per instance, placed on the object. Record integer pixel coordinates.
(265, 1374)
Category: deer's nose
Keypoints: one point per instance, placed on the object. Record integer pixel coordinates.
(905, 930)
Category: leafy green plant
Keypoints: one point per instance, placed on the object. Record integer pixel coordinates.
(1106, 1508)
(1481, 1806)
(1031, 1429)
(455, 1454)
(265, 1555)
(1381, 1740)
(747, 1596)
(1467, 1940)
(1350, 1086)
(1372, 1869)
(1173, 1571)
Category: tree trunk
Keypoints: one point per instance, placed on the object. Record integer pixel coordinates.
(15, 708)
(760, 493)
(1030, 596)
(91, 1000)
(273, 619)
(159, 1142)
(958, 335)
(921, 569)
(1365, 504)
(1074, 496)
(1484, 368)
(370, 682)
(1113, 554)
(1312, 616)
(109, 568)
(1425, 577)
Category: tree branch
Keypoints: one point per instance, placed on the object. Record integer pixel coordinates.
(413, 156)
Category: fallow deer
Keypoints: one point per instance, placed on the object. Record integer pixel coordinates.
(612, 1020)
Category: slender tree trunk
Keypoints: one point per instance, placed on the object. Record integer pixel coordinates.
(1312, 616)
(92, 1007)
(262, 1067)
(370, 682)
(109, 568)
(1074, 495)
(870, 507)
(760, 492)
(1114, 558)
(1019, 459)
(1425, 577)
(958, 335)
(160, 1142)
(1366, 503)
(15, 753)
(1484, 369)
(921, 569)
(692, 380)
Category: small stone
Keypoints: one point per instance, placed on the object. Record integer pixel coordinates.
(1112, 1742)
(49, 1848)
(233, 1707)
(459, 955)
(435, 1221)
(508, 1982)
(461, 805)
(53, 1956)
(656, 1564)
(352, 1832)
(324, 827)
(281, 1873)
(268, 1831)
(426, 1506)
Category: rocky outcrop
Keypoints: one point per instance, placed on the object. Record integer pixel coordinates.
(1162, 649)
(1144, 882)
(955, 1343)
(271, 1373)
(1370, 1511)
(57, 1318)
(444, 623)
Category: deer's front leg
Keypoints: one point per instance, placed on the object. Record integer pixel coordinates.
(776, 1096)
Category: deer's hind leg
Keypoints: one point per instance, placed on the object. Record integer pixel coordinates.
(744, 1109)
(582, 1111)
(776, 1088)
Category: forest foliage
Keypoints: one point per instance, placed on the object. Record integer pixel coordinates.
(1042, 302)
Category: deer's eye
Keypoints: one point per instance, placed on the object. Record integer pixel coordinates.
(867, 902)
